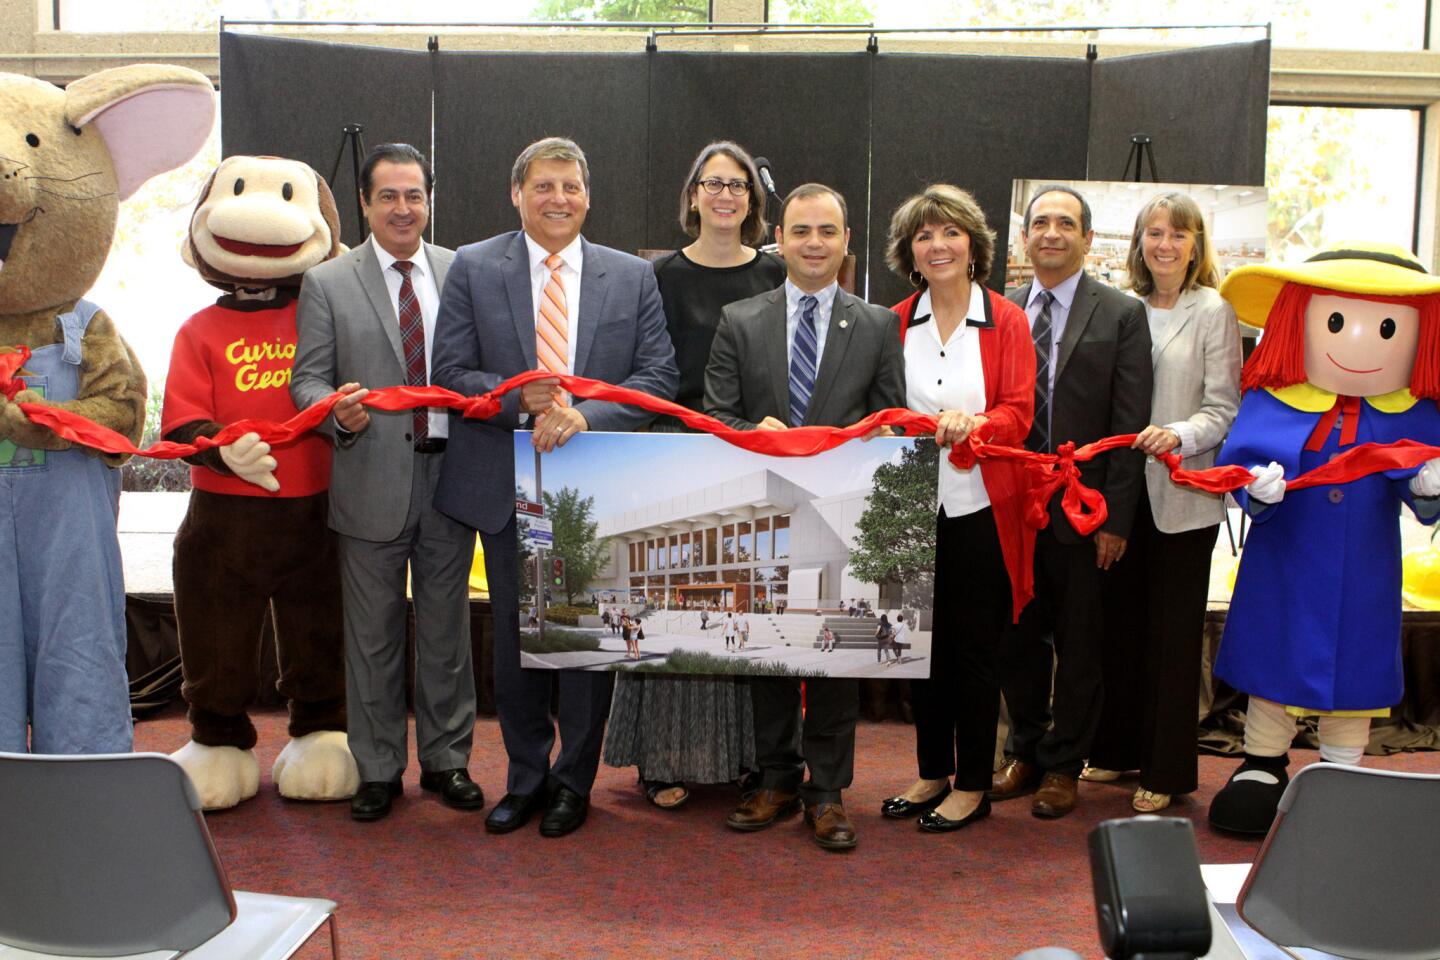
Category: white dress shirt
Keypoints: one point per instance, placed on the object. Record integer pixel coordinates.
(422, 280)
(824, 306)
(1064, 293)
(569, 279)
(948, 375)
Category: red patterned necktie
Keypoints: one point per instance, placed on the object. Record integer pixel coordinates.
(412, 338)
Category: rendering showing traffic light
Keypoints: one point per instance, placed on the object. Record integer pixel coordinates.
(557, 571)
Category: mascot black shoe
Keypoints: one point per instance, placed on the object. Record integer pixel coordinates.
(1247, 804)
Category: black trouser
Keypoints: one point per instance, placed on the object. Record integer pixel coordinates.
(825, 741)
(1066, 611)
(1154, 602)
(957, 708)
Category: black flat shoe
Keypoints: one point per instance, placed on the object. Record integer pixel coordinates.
(514, 811)
(455, 788)
(372, 800)
(934, 822)
(898, 808)
(565, 814)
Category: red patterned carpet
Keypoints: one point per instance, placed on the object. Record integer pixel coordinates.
(639, 882)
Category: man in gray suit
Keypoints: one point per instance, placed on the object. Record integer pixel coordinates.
(1092, 380)
(541, 298)
(807, 353)
(367, 319)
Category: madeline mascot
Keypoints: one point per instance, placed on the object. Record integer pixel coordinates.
(1350, 355)
(255, 539)
(67, 159)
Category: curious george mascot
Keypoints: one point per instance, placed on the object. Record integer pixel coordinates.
(67, 159)
(255, 538)
(1350, 355)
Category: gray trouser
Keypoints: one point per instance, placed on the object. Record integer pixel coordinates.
(438, 552)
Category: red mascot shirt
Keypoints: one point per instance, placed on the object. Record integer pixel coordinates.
(229, 365)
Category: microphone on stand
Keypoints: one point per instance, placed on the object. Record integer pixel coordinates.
(766, 180)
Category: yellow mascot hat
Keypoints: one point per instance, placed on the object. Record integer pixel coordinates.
(1368, 269)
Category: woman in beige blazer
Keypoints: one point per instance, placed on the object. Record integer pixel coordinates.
(1155, 596)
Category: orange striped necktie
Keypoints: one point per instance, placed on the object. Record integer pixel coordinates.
(552, 350)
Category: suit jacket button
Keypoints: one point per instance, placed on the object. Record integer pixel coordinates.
(1336, 494)
(407, 436)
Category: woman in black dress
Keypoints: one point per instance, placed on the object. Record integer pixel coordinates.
(698, 729)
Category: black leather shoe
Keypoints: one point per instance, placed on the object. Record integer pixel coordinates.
(934, 822)
(372, 800)
(455, 788)
(898, 808)
(566, 812)
(514, 811)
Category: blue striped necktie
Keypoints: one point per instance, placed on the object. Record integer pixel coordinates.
(1043, 339)
(803, 356)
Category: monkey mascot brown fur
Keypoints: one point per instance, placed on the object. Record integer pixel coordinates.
(255, 538)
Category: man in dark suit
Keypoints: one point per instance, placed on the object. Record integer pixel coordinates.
(366, 319)
(1092, 379)
(807, 353)
(544, 298)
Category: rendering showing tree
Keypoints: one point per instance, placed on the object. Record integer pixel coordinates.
(896, 540)
(575, 542)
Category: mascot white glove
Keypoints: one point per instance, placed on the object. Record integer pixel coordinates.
(1269, 483)
(1426, 483)
(249, 459)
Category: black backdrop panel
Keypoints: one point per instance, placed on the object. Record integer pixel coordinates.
(976, 122)
(490, 106)
(808, 114)
(1204, 109)
(290, 98)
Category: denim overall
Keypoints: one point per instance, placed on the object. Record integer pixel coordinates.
(62, 590)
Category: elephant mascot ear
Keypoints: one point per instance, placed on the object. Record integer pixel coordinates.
(152, 117)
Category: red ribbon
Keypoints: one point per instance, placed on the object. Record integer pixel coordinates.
(1048, 473)
(10, 364)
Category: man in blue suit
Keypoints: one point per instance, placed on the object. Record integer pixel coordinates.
(543, 298)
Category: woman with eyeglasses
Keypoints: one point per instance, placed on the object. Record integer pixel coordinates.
(698, 729)
(722, 206)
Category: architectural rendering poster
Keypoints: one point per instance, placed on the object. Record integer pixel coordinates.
(679, 553)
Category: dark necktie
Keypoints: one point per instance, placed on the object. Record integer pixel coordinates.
(412, 338)
(803, 356)
(1042, 334)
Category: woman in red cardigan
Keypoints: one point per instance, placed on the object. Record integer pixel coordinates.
(968, 358)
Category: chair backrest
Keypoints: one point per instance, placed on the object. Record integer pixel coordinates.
(1350, 865)
(105, 856)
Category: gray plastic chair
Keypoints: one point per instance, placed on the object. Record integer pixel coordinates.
(109, 856)
(1351, 866)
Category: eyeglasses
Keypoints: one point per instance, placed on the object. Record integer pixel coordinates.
(714, 185)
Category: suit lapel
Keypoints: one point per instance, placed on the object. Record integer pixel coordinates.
(777, 350)
(440, 261)
(837, 341)
(367, 269)
(592, 304)
(1081, 309)
(517, 287)
(1183, 314)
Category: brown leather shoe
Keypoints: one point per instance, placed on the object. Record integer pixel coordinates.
(1014, 778)
(833, 829)
(762, 808)
(1056, 796)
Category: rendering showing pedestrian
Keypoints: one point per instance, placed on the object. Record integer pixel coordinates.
(882, 637)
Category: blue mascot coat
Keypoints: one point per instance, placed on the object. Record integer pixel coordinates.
(1315, 618)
